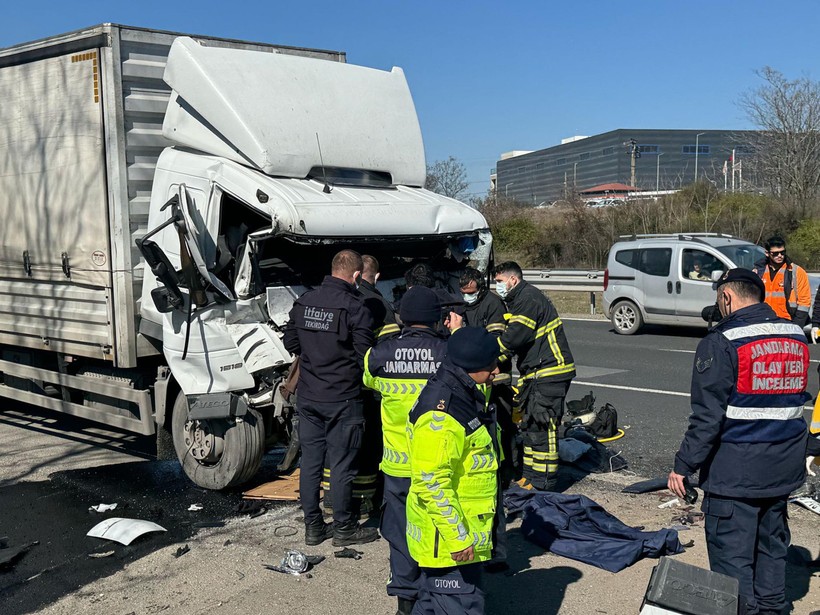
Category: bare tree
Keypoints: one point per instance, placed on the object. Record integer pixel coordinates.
(447, 177)
(787, 149)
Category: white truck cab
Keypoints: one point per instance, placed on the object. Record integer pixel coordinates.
(164, 312)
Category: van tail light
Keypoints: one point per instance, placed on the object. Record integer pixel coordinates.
(606, 278)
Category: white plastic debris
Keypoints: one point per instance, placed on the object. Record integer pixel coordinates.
(195, 507)
(123, 531)
(101, 508)
(670, 503)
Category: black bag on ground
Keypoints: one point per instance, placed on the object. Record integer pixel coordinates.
(605, 423)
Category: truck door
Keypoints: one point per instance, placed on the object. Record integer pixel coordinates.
(655, 265)
(693, 286)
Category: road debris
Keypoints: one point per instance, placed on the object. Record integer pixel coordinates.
(182, 551)
(195, 508)
(101, 508)
(808, 503)
(10, 555)
(204, 524)
(347, 552)
(296, 563)
(101, 555)
(123, 531)
(670, 503)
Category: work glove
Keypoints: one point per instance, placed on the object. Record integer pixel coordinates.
(809, 463)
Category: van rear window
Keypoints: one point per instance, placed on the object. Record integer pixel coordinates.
(651, 261)
(626, 257)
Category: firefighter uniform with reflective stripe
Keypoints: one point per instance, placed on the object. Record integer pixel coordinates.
(398, 369)
(791, 280)
(536, 336)
(453, 492)
(747, 437)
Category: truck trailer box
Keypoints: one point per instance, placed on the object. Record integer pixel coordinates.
(80, 134)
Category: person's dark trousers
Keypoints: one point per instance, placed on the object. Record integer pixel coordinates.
(747, 539)
(368, 483)
(540, 436)
(510, 468)
(335, 428)
(404, 571)
(450, 591)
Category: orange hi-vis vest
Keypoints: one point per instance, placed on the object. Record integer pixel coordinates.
(798, 288)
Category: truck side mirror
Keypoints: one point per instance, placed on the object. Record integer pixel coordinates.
(164, 271)
(716, 275)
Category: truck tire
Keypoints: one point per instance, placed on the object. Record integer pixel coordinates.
(217, 453)
(626, 317)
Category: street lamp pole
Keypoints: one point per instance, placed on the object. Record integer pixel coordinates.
(574, 176)
(658, 173)
(697, 137)
(506, 186)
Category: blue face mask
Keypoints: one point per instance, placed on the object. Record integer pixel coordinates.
(470, 298)
(501, 289)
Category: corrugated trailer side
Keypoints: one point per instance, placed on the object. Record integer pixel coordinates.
(81, 143)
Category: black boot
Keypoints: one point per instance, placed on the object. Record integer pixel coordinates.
(354, 534)
(405, 606)
(318, 533)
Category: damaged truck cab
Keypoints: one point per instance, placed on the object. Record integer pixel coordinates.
(268, 162)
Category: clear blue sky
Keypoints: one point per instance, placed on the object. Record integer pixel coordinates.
(489, 77)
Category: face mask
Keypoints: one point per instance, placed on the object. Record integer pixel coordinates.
(501, 289)
(470, 298)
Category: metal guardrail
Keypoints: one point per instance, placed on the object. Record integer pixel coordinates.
(566, 279)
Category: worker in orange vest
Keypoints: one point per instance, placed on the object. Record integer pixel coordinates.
(788, 291)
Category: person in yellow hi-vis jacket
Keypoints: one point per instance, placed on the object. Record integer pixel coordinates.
(454, 454)
(398, 369)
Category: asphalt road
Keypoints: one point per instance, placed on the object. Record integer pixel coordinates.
(647, 378)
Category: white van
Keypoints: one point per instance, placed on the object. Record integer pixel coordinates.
(667, 279)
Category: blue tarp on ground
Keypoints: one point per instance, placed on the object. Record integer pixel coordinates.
(578, 528)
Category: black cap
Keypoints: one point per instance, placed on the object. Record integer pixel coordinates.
(472, 348)
(742, 275)
(420, 305)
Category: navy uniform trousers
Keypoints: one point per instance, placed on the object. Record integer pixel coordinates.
(404, 571)
(450, 591)
(747, 539)
(335, 429)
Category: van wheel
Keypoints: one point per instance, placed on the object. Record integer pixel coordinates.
(217, 453)
(626, 318)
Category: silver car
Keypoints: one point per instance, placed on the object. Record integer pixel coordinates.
(667, 279)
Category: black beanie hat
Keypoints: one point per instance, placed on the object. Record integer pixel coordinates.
(420, 305)
(472, 348)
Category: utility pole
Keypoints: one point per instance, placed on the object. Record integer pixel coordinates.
(658, 173)
(697, 147)
(634, 153)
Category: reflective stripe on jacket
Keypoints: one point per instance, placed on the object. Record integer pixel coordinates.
(791, 278)
(535, 334)
(454, 462)
(398, 369)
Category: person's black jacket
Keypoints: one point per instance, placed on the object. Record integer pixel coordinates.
(488, 312)
(536, 336)
(330, 329)
(384, 318)
(770, 467)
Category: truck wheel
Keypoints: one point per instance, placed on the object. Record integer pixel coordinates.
(217, 453)
(626, 317)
